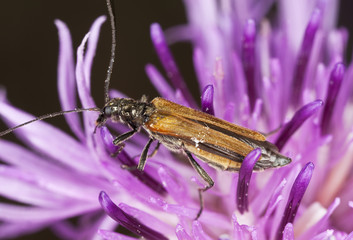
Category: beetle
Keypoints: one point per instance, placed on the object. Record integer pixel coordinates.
(219, 143)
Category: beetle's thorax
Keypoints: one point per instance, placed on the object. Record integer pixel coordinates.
(126, 110)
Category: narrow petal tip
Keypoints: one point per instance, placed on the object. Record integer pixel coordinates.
(245, 173)
(298, 119)
(250, 30)
(338, 72)
(207, 100)
(314, 20)
(333, 89)
(156, 33)
(302, 181)
(296, 195)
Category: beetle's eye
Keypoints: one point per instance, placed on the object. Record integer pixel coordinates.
(107, 111)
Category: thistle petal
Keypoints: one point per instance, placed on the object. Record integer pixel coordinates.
(168, 62)
(207, 100)
(303, 56)
(248, 59)
(334, 86)
(126, 220)
(245, 173)
(297, 192)
(297, 120)
(66, 78)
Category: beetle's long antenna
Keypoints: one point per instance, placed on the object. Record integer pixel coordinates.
(112, 51)
(49, 115)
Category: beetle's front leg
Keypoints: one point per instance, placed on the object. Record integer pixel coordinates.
(119, 140)
(143, 158)
(125, 136)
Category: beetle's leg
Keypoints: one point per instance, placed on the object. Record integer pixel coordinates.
(143, 157)
(204, 176)
(155, 150)
(129, 168)
(116, 153)
(125, 136)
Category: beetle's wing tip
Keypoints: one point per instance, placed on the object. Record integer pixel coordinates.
(283, 161)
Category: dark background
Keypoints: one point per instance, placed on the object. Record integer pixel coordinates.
(29, 48)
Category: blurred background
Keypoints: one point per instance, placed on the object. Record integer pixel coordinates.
(29, 49)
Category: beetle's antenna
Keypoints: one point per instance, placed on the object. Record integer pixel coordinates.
(112, 51)
(49, 115)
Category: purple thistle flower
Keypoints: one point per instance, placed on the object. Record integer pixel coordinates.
(259, 73)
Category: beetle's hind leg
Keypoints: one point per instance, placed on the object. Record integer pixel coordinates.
(204, 176)
(155, 150)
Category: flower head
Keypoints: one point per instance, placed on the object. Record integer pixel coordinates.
(286, 71)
